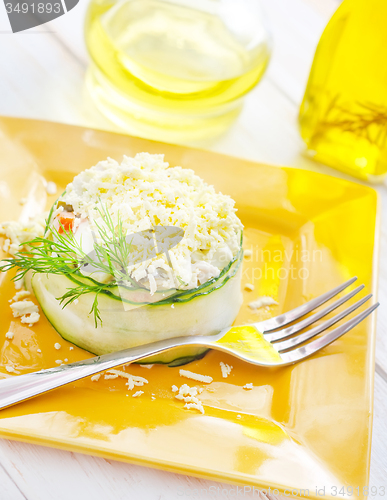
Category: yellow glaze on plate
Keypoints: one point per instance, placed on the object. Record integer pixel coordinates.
(301, 426)
(246, 339)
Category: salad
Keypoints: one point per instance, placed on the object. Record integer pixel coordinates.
(135, 252)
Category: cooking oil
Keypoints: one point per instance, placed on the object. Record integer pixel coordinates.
(173, 70)
(247, 340)
(343, 116)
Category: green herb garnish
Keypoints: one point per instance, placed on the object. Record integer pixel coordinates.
(61, 253)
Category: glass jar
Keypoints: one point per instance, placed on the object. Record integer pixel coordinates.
(174, 70)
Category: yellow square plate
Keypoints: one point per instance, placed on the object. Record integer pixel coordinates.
(301, 427)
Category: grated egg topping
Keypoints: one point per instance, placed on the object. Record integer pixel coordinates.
(144, 192)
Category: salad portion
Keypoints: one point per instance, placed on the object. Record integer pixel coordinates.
(135, 252)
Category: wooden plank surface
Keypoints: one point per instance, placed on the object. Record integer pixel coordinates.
(42, 74)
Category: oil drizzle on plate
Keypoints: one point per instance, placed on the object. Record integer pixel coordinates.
(249, 341)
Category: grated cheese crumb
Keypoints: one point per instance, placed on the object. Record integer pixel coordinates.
(175, 388)
(137, 394)
(110, 376)
(71, 348)
(22, 308)
(206, 379)
(186, 390)
(196, 406)
(39, 351)
(133, 380)
(66, 360)
(9, 335)
(58, 361)
(188, 395)
(10, 369)
(7, 244)
(22, 294)
(130, 384)
(51, 187)
(123, 374)
(18, 284)
(57, 346)
(31, 319)
(95, 377)
(226, 369)
(247, 253)
(249, 287)
(19, 233)
(146, 366)
(248, 387)
(26, 309)
(263, 301)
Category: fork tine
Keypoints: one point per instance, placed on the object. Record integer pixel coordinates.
(286, 332)
(298, 312)
(287, 344)
(315, 346)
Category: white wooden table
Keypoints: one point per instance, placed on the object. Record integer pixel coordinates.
(41, 76)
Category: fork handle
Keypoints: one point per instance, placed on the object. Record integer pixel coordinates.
(19, 388)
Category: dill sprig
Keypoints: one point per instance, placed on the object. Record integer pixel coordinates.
(363, 119)
(60, 253)
(74, 293)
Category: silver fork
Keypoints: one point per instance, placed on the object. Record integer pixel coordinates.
(275, 330)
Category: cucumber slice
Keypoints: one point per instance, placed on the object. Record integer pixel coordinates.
(130, 295)
(203, 311)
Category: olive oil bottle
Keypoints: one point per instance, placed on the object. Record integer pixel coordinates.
(343, 116)
(174, 70)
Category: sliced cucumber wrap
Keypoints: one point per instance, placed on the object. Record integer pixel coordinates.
(204, 310)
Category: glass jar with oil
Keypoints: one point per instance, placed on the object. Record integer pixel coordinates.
(174, 70)
(343, 116)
